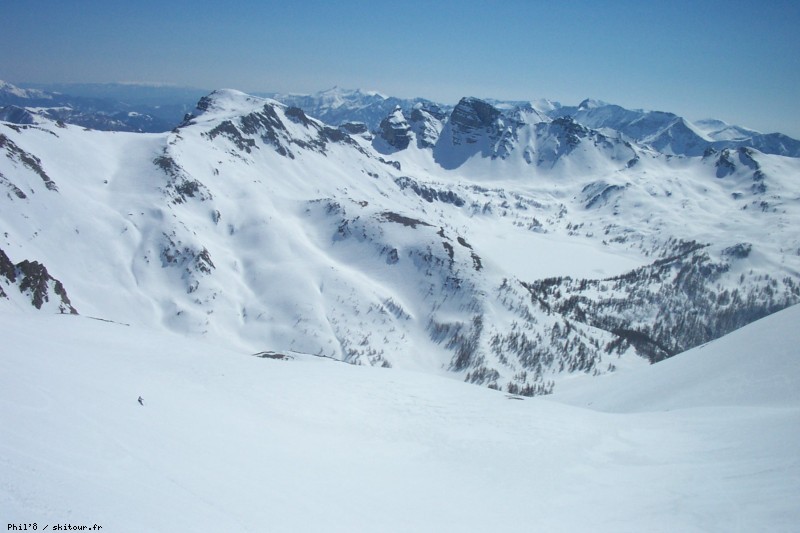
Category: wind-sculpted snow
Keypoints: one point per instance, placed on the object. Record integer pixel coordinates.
(489, 244)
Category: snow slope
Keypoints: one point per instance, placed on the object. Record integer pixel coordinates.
(227, 441)
(758, 365)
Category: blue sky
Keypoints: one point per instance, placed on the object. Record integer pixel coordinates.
(734, 60)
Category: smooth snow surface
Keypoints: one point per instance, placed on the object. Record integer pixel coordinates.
(755, 365)
(229, 442)
(529, 255)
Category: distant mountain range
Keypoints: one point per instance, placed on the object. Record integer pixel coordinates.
(665, 132)
(105, 107)
(159, 108)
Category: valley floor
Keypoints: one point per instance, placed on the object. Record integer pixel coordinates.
(706, 441)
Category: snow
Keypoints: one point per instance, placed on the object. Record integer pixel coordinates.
(285, 278)
(325, 253)
(13, 90)
(229, 103)
(529, 255)
(227, 441)
(758, 365)
(722, 131)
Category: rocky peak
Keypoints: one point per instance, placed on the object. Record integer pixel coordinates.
(226, 103)
(395, 130)
(566, 130)
(473, 113)
(472, 119)
(426, 123)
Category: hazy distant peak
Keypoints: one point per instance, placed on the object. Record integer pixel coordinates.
(337, 96)
(719, 130)
(13, 90)
(591, 103)
(345, 92)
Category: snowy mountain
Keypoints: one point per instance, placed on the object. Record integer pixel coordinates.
(719, 130)
(664, 132)
(494, 244)
(157, 108)
(674, 135)
(705, 441)
(107, 107)
(337, 106)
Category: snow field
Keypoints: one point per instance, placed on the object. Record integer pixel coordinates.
(233, 442)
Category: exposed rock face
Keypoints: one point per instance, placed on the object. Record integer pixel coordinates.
(33, 281)
(266, 121)
(730, 162)
(725, 165)
(395, 130)
(560, 137)
(16, 115)
(30, 161)
(474, 127)
(7, 267)
(354, 128)
(471, 119)
(426, 123)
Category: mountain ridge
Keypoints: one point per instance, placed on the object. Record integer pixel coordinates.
(103, 106)
(100, 107)
(338, 105)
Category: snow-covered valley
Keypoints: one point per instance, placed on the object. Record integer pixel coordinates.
(705, 441)
(496, 245)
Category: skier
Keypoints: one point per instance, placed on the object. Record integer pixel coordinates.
(141, 400)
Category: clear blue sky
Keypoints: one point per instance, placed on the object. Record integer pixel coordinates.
(734, 60)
